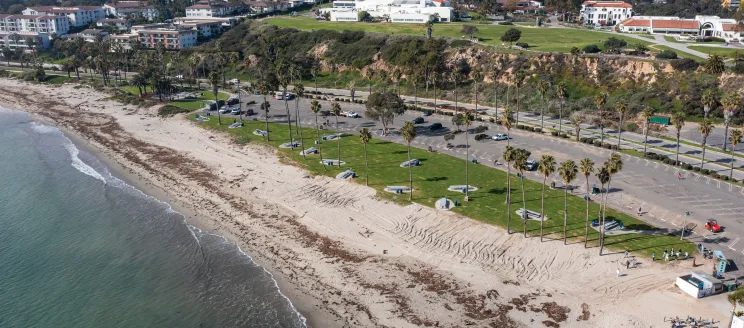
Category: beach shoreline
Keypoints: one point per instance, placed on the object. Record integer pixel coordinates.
(343, 257)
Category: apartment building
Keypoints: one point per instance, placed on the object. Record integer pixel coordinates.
(171, 36)
(398, 11)
(131, 9)
(24, 41)
(202, 9)
(29, 24)
(78, 16)
(114, 23)
(605, 13)
(90, 35)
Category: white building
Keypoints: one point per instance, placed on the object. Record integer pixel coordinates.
(213, 9)
(131, 9)
(606, 13)
(115, 23)
(397, 11)
(89, 35)
(78, 16)
(24, 40)
(700, 26)
(29, 24)
(171, 38)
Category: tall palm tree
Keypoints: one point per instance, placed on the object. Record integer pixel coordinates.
(734, 139)
(546, 166)
(520, 76)
(561, 90)
(646, 114)
(365, 136)
(315, 108)
(370, 74)
(577, 119)
(466, 119)
(568, 171)
(299, 90)
(614, 165)
(542, 87)
(603, 175)
(731, 104)
(737, 297)
(601, 100)
(586, 166)
(282, 74)
(397, 74)
(336, 111)
(508, 158)
(214, 82)
(622, 108)
(265, 106)
(520, 163)
(709, 100)
(705, 127)
(678, 120)
(408, 132)
(507, 120)
(477, 77)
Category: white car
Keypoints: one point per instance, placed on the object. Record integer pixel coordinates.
(500, 136)
(352, 114)
(225, 110)
(234, 81)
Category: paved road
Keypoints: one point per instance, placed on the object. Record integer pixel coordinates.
(652, 186)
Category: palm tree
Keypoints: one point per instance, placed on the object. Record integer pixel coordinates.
(586, 166)
(466, 119)
(365, 137)
(603, 175)
(709, 100)
(370, 73)
(561, 90)
(214, 81)
(568, 171)
(507, 119)
(508, 158)
(737, 297)
(315, 108)
(520, 163)
(282, 74)
(622, 108)
(299, 89)
(336, 111)
(613, 165)
(518, 83)
(734, 139)
(678, 120)
(600, 100)
(477, 77)
(408, 132)
(577, 119)
(546, 166)
(715, 64)
(397, 74)
(646, 114)
(705, 127)
(730, 104)
(542, 87)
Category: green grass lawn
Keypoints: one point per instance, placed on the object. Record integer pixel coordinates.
(525, 23)
(558, 39)
(680, 54)
(56, 79)
(672, 39)
(726, 52)
(199, 102)
(438, 171)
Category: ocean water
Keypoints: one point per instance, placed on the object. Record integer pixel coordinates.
(81, 248)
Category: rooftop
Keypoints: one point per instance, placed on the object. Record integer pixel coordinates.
(608, 4)
(678, 24)
(128, 4)
(636, 22)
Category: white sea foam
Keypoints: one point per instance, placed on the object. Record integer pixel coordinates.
(44, 129)
(78, 164)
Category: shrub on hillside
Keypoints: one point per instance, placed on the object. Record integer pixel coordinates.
(592, 49)
(684, 64)
(667, 54)
(522, 44)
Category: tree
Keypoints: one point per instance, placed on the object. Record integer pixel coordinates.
(511, 35)
(734, 139)
(384, 107)
(613, 166)
(520, 163)
(705, 127)
(575, 51)
(283, 77)
(466, 119)
(477, 78)
(678, 120)
(299, 89)
(641, 48)
(336, 111)
(646, 114)
(709, 101)
(508, 156)
(214, 82)
(469, 30)
(315, 108)
(365, 137)
(731, 104)
(600, 100)
(586, 167)
(603, 175)
(561, 90)
(397, 75)
(577, 119)
(363, 16)
(518, 82)
(543, 86)
(667, 54)
(546, 166)
(614, 44)
(428, 26)
(715, 64)
(408, 132)
(568, 171)
(507, 120)
(622, 108)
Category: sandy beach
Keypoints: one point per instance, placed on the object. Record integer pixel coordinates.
(346, 258)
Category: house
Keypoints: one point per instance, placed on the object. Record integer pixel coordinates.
(606, 13)
(396, 11)
(125, 40)
(172, 38)
(114, 23)
(131, 9)
(28, 24)
(262, 7)
(90, 35)
(78, 16)
(699, 284)
(227, 22)
(205, 28)
(202, 9)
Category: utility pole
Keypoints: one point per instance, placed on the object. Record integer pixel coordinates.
(684, 225)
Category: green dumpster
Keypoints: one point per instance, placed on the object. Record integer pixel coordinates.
(659, 120)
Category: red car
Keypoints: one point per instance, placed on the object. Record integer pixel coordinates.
(713, 226)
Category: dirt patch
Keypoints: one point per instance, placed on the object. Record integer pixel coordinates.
(584, 312)
(556, 312)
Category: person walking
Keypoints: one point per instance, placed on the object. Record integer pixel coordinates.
(686, 255)
(627, 265)
(653, 257)
(639, 211)
(617, 273)
(679, 176)
(666, 256)
(626, 254)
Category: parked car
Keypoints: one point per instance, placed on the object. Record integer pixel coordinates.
(235, 81)
(427, 113)
(249, 112)
(500, 136)
(418, 120)
(233, 101)
(225, 110)
(235, 111)
(435, 126)
(352, 115)
(289, 96)
(531, 164)
(712, 226)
